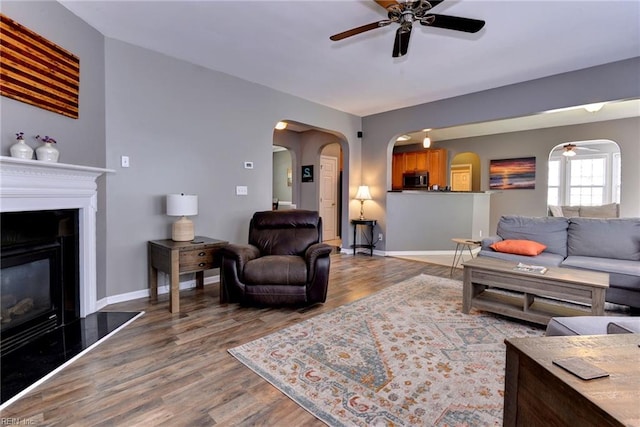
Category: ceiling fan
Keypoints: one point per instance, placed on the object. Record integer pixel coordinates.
(405, 13)
(570, 149)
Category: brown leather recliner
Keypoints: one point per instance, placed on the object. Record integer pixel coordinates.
(285, 261)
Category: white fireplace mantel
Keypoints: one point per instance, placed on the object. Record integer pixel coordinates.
(31, 185)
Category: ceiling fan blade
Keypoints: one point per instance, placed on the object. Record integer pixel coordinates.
(358, 30)
(457, 23)
(434, 3)
(401, 43)
(387, 3)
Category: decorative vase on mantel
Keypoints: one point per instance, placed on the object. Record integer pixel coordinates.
(47, 152)
(20, 149)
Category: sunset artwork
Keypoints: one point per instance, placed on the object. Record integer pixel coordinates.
(512, 174)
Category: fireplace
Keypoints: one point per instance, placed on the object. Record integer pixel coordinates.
(39, 283)
(55, 190)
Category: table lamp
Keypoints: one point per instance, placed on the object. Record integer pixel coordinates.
(362, 195)
(182, 205)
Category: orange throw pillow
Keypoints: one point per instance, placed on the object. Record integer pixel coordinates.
(519, 247)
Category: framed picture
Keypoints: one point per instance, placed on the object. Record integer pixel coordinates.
(289, 178)
(512, 174)
(307, 173)
(36, 71)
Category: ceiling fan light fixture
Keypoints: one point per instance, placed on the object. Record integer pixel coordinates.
(569, 152)
(594, 108)
(405, 13)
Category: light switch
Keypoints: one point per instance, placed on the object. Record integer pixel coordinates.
(124, 161)
(242, 190)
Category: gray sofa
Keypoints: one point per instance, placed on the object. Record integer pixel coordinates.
(592, 325)
(608, 245)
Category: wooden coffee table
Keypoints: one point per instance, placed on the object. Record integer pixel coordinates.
(486, 279)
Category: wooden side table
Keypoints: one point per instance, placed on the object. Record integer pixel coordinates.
(175, 258)
(371, 223)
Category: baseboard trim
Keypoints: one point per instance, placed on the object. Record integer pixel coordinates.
(144, 293)
(418, 253)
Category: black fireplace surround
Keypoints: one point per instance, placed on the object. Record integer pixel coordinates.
(39, 274)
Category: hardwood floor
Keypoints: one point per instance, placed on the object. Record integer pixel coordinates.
(175, 370)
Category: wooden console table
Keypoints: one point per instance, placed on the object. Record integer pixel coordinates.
(484, 275)
(539, 393)
(175, 258)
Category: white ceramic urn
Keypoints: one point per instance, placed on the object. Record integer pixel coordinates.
(47, 153)
(21, 150)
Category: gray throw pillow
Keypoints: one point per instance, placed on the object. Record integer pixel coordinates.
(604, 211)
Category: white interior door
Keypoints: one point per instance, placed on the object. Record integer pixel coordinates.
(328, 196)
(460, 177)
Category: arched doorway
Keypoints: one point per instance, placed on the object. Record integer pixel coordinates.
(465, 172)
(307, 144)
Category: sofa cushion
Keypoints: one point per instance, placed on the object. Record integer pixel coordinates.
(284, 232)
(556, 211)
(276, 269)
(550, 231)
(519, 247)
(545, 258)
(604, 211)
(617, 238)
(607, 265)
(578, 325)
(570, 211)
(591, 325)
(624, 326)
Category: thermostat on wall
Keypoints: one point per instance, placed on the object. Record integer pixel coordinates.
(248, 165)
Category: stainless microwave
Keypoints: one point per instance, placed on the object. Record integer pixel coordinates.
(415, 180)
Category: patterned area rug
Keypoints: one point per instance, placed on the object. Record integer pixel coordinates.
(404, 356)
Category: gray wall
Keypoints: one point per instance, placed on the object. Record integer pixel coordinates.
(281, 163)
(189, 129)
(615, 81)
(80, 141)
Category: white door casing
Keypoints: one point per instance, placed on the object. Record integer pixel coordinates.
(328, 196)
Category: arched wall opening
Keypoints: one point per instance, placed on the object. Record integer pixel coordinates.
(307, 145)
(584, 174)
(460, 164)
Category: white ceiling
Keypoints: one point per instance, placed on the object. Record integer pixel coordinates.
(285, 44)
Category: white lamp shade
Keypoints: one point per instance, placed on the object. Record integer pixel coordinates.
(182, 204)
(363, 193)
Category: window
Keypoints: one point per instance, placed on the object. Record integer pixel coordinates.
(589, 178)
(616, 177)
(587, 181)
(553, 195)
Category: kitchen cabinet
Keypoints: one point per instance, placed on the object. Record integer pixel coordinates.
(397, 169)
(437, 167)
(433, 160)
